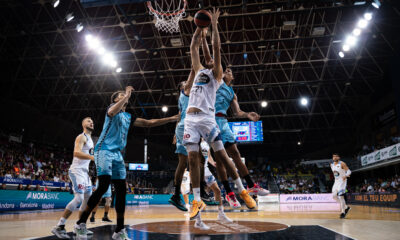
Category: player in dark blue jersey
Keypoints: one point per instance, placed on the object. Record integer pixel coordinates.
(109, 161)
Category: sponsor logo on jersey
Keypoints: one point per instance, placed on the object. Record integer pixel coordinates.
(186, 136)
(202, 79)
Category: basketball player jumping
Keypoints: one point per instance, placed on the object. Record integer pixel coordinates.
(180, 149)
(79, 175)
(107, 197)
(200, 120)
(341, 173)
(109, 161)
(225, 99)
(212, 183)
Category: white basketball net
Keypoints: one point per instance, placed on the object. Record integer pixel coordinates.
(167, 13)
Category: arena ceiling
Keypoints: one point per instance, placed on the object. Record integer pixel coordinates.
(46, 63)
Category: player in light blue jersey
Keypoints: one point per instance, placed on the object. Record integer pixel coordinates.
(109, 162)
(178, 138)
(225, 99)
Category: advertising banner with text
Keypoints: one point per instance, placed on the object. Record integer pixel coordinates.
(307, 198)
(380, 155)
(377, 199)
(11, 200)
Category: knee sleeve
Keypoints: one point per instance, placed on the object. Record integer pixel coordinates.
(120, 189)
(191, 147)
(217, 145)
(75, 202)
(108, 202)
(104, 182)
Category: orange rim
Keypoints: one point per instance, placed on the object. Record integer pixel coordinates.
(166, 14)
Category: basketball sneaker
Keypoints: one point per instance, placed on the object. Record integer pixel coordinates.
(197, 207)
(106, 219)
(60, 232)
(342, 215)
(257, 190)
(80, 230)
(347, 210)
(249, 201)
(177, 202)
(121, 235)
(208, 199)
(200, 224)
(223, 218)
(231, 199)
(92, 220)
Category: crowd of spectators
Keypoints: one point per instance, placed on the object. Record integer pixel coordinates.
(379, 185)
(27, 161)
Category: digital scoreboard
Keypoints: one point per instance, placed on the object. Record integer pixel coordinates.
(138, 166)
(247, 132)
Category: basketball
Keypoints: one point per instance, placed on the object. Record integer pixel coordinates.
(202, 18)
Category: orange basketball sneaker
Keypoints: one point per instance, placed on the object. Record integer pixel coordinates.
(249, 201)
(196, 208)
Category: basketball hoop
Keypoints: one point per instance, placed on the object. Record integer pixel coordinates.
(167, 14)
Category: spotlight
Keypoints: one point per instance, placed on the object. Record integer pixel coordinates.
(118, 70)
(164, 109)
(376, 4)
(94, 43)
(362, 23)
(56, 3)
(108, 58)
(351, 41)
(299, 143)
(113, 63)
(346, 47)
(264, 104)
(79, 27)
(356, 32)
(101, 51)
(304, 101)
(341, 54)
(69, 17)
(88, 37)
(368, 16)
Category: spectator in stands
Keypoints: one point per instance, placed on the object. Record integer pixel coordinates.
(3, 186)
(20, 187)
(28, 187)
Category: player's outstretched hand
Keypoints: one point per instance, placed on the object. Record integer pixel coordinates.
(128, 91)
(215, 16)
(254, 116)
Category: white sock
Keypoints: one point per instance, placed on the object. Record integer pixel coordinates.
(239, 184)
(196, 194)
(220, 208)
(343, 205)
(62, 221)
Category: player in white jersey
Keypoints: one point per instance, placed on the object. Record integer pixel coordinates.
(211, 182)
(79, 175)
(185, 187)
(341, 172)
(200, 120)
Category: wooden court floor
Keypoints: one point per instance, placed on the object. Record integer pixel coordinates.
(363, 222)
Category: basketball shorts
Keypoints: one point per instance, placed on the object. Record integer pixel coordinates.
(199, 125)
(80, 181)
(208, 177)
(339, 188)
(110, 163)
(108, 193)
(185, 187)
(226, 132)
(180, 148)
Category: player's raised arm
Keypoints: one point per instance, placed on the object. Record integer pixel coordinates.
(78, 153)
(189, 82)
(237, 112)
(216, 45)
(141, 122)
(204, 45)
(117, 107)
(194, 51)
